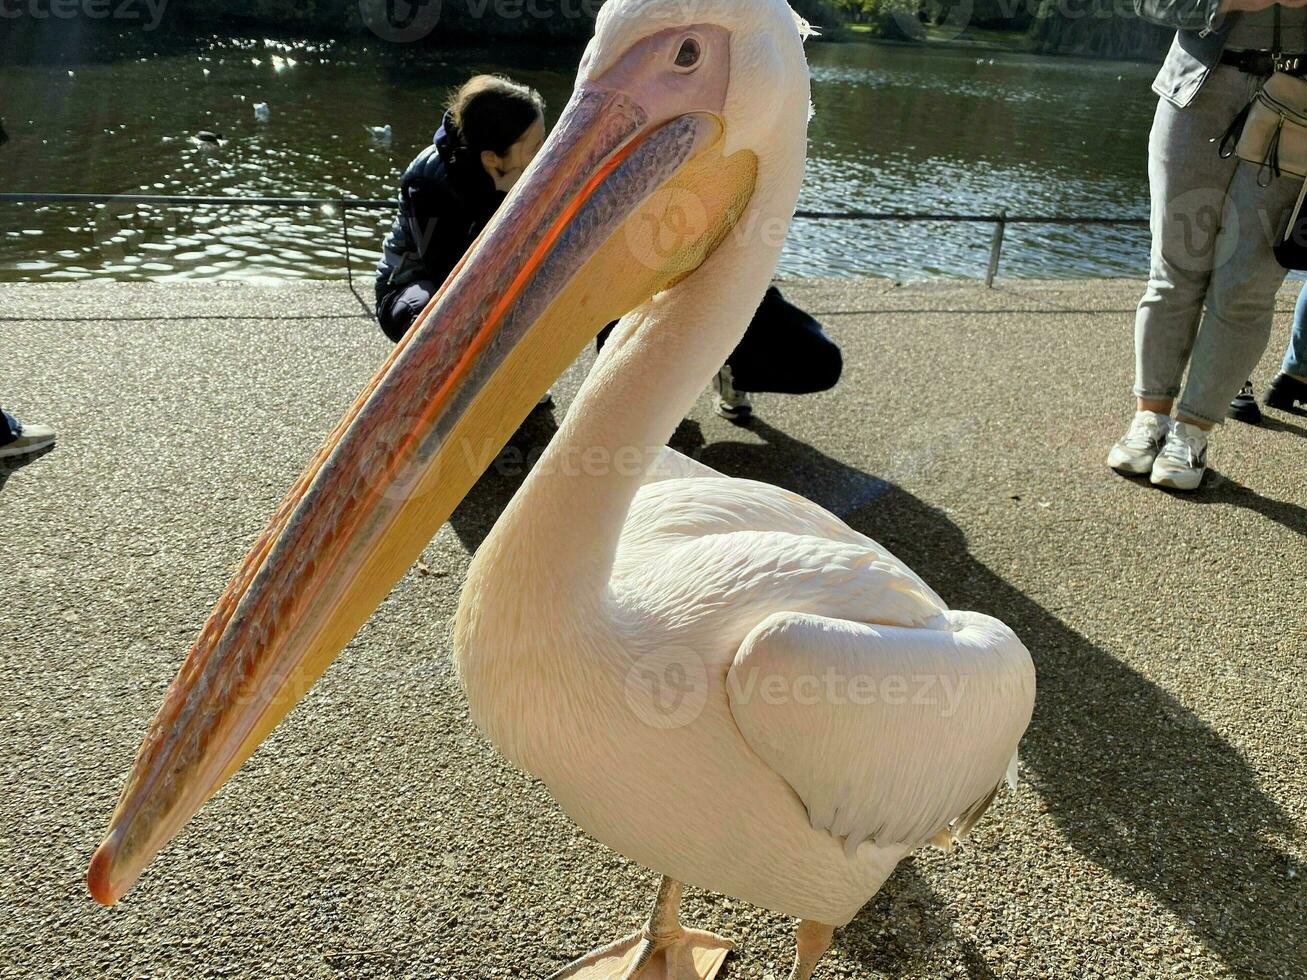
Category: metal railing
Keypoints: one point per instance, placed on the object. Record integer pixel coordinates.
(1000, 220)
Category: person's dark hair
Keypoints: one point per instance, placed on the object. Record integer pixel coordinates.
(492, 113)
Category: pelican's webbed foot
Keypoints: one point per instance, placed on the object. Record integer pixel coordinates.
(662, 950)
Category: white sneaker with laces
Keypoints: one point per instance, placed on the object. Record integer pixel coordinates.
(1135, 451)
(1183, 459)
(732, 403)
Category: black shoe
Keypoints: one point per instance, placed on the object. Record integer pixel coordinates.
(1287, 394)
(1244, 406)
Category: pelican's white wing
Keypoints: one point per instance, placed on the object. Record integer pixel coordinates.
(891, 734)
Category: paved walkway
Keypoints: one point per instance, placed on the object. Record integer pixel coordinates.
(1159, 830)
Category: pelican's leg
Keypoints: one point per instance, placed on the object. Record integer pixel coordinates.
(812, 939)
(662, 950)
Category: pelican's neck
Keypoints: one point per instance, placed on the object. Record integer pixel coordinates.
(569, 514)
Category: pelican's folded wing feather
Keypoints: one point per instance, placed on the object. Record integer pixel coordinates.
(889, 734)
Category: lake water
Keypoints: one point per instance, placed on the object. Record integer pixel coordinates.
(898, 129)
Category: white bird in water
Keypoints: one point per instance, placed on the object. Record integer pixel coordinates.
(713, 676)
(381, 134)
(261, 111)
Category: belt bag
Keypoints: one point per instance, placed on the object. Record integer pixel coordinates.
(1272, 133)
(1272, 130)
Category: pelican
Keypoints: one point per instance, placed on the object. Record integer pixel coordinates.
(715, 677)
(380, 134)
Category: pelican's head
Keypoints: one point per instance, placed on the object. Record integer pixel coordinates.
(686, 114)
(740, 61)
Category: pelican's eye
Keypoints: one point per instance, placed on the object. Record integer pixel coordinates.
(690, 54)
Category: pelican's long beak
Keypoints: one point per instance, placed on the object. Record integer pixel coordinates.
(596, 227)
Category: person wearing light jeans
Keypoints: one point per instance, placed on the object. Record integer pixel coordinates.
(1288, 392)
(1211, 293)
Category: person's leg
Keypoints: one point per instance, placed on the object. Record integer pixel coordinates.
(1237, 323)
(785, 351)
(1295, 358)
(1241, 299)
(8, 428)
(1188, 182)
(399, 309)
(602, 337)
(1289, 389)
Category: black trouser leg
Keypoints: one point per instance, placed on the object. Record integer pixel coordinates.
(398, 309)
(785, 351)
(8, 428)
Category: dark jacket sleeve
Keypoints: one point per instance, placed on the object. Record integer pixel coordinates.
(1184, 15)
(439, 227)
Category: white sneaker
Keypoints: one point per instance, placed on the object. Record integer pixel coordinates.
(1183, 459)
(1135, 451)
(31, 439)
(731, 404)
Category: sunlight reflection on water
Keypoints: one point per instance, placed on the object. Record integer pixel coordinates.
(897, 129)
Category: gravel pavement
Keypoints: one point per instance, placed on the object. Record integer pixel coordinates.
(1160, 829)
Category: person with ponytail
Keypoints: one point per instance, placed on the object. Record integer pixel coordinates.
(492, 130)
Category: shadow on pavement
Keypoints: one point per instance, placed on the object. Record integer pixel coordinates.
(476, 515)
(1280, 425)
(905, 921)
(10, 466)
(1134, 780)
(1006, 311)
(1220, 489)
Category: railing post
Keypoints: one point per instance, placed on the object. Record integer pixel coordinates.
(344, 228)
(349, 256)
(996, 248)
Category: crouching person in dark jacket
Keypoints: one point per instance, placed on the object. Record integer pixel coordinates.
(493, 129)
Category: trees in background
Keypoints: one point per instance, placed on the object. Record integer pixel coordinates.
(1093, 28)
(1097, 29)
